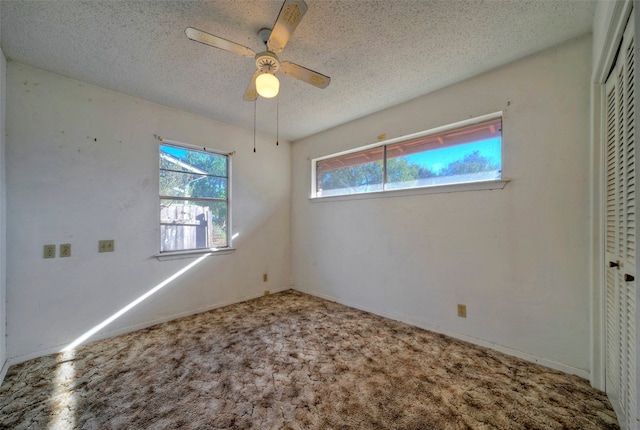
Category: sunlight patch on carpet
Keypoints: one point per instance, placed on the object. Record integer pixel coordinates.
(63, 403)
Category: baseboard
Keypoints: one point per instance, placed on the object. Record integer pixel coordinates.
(108, 334)
(3, 370)
(467, 338)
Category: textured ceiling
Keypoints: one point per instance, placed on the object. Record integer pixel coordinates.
(377, 53)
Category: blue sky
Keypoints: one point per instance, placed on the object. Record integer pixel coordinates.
(172, 150)
(436, 159)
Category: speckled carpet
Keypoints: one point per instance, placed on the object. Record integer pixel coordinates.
(293, 361)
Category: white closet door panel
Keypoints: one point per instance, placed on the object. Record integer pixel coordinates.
(612, 218)
(620, 219)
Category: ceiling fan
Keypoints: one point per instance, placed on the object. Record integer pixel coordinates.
(264, 82)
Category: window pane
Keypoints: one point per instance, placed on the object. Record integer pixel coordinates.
(358, 172)
(181, 184)
(467, 154)
(186, 160)
(192, 224)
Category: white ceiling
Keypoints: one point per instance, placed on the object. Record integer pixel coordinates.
(377, 53)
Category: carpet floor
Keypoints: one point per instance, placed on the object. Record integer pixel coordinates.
(293, 361)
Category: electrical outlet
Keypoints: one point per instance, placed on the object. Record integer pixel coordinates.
(462, 311)
(106, 246)
(265, 277)
(49, 251)
(267, 292)
(65, 250)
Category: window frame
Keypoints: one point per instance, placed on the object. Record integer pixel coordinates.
(161, 255)
(425, 189)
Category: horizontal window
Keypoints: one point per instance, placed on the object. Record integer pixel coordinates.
(470, 151)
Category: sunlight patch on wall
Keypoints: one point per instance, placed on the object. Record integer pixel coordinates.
(131, 305)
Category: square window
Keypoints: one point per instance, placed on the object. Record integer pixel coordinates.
(194, 199)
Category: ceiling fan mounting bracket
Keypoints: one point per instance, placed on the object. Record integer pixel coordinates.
(264, 35)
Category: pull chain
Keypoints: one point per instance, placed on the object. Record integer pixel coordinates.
(277, 120)
(255, 103)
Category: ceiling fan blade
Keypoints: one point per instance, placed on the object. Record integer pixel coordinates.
(309, 76)
(252, 93)
(288, 19)
(218, 42)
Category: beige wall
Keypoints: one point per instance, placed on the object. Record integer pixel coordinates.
(517, 257)
(3, 225)
(82, 165)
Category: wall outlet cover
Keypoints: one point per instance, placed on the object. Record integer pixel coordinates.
(462, 311)
(106, 246)
(49, 251)
(65, 250)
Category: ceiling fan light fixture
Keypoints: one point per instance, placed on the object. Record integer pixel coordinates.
(263, 82)
(267, 85)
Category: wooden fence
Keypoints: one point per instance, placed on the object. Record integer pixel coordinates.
(185, 226)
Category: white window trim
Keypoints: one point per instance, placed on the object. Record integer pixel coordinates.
(432, 189)
(497, 184)
(192, 253)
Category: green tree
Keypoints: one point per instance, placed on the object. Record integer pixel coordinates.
(365, 174)
(209, 186)
(471, 163)
(196, 174)
(425, 172)
(400, 169)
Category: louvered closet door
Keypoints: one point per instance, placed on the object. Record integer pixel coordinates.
(620, 231)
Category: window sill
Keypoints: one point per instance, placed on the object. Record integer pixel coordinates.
(193, 253)
(435, 189)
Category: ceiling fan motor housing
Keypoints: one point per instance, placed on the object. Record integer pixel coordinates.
(267, 61)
